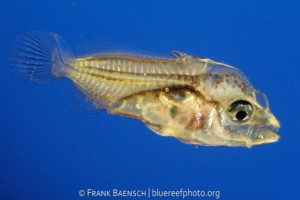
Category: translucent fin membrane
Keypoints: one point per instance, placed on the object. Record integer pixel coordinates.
(83, 101)
(110, 48)
(37, 57)
(261, 98)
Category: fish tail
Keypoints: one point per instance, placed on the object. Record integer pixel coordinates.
(40, 57)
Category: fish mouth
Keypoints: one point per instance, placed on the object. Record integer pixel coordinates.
(265, 132)
(264, 138)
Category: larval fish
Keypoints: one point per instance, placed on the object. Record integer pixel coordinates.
(198, 101)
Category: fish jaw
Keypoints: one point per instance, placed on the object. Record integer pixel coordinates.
(268, 137)
(266, 130)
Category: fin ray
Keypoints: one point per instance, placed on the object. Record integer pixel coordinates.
(37, 57)
(110, 48)
(81, 100)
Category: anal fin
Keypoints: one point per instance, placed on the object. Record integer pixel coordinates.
(83, 101)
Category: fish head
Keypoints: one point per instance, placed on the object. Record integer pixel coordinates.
(245, 122)
(240, 115)
(220, 109)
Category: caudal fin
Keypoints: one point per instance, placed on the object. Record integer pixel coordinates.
(40, 57)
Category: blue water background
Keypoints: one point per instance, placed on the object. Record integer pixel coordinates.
(50, 151)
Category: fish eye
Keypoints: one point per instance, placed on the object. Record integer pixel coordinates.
(240, 111)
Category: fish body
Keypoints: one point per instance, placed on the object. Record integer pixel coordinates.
(197, 101)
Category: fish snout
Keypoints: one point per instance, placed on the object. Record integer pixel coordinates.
(266, 130)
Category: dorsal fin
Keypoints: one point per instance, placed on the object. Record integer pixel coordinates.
(111, 48)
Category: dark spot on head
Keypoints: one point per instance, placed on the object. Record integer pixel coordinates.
(219, 80)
